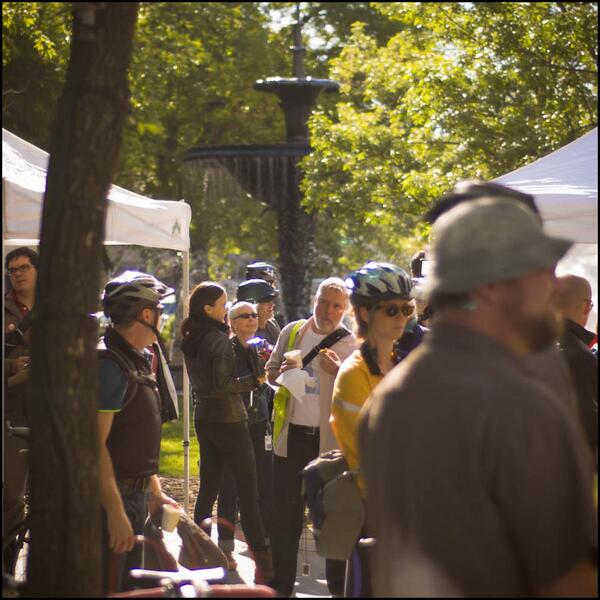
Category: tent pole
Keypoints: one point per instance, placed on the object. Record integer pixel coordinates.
(186, 390)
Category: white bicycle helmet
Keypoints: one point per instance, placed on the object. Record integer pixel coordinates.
(131, 291)
(379, 281)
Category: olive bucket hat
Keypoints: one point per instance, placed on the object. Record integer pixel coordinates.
(489, 240)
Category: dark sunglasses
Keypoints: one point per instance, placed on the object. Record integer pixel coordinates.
(246, 316)
(392, 310)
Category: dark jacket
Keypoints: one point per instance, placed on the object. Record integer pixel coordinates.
(411, 338)
(584, 371)
(211, 365)
(249, 363)
(15, 409)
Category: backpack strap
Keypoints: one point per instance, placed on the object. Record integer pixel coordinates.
(327, 342)
(133, 376)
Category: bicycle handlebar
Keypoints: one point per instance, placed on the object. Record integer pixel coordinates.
(22, 432)
(179, 576)
(198, 580)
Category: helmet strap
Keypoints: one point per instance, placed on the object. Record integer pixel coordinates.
(153, 326)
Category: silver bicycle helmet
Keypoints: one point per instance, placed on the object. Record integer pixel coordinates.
(125, 295)
(379, 281)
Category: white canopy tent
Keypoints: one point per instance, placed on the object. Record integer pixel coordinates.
(131, 219)
(565, 186)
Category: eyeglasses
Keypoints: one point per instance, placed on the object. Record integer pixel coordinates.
(22, 269)
(246, 316)
(392, 310)
(589, 302)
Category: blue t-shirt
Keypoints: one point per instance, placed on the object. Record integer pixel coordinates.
(112, 384)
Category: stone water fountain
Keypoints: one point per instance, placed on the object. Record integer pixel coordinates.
(270, 174)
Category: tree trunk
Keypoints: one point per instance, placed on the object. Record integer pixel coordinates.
(64, 555)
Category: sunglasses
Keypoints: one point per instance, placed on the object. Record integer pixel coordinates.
(392, 310)
(246, 316)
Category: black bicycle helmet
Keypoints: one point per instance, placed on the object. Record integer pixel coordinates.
(125, 295)
(379, 281)
(256, 290)
(261, 270)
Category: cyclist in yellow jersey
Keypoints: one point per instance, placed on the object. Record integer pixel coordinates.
(380, 297)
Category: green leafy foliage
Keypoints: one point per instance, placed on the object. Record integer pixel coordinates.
(432, 92)
(191, 80)
(465, 90)
(35, 48)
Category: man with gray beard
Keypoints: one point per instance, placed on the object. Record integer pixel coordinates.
(489, 491)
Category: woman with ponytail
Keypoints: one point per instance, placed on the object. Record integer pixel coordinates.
(220, 416)
(380, 298)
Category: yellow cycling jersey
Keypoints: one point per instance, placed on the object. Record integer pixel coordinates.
(353, 385)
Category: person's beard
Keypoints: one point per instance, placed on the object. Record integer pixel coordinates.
(541, 332)
(537, 332)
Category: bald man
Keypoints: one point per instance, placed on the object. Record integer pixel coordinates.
(574, 301)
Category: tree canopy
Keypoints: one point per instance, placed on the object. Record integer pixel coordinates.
(464, 90)
(432, 92)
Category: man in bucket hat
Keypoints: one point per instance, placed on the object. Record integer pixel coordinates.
(489, 492)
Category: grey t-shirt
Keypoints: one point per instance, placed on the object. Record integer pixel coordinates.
(468, 459)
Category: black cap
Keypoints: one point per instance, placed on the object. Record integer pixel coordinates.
(473, 189)
(256, 290)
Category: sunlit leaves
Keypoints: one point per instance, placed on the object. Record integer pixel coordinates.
(466, 90)
(35, 45)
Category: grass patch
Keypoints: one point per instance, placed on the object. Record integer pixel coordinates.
(171, 447)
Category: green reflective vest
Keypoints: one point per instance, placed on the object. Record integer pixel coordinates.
(282, 396)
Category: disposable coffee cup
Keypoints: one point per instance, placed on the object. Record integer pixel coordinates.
(294, 356)
(170, 517)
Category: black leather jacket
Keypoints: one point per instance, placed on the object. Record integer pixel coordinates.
(211, 365)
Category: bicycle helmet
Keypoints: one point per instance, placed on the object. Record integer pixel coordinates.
(256, 290)
(125, 295)
(261, 270)
(379, 281)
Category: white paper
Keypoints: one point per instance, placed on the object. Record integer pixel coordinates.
(295, 380)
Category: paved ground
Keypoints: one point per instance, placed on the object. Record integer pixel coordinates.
(311, 585)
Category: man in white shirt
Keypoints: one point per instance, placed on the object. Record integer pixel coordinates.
(301, 429)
